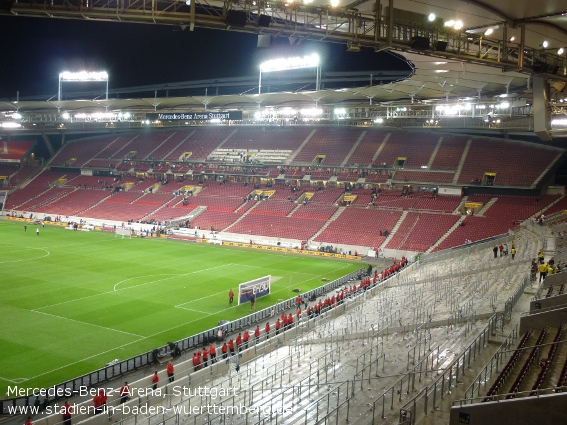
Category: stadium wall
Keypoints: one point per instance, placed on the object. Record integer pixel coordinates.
(546, 409)
(553, 318)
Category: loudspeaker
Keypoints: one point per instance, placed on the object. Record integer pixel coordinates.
(264, 20)
(440, 46)
(264, 40)
(236, 18)
(540, 67)
(6, 5)
(420, 43)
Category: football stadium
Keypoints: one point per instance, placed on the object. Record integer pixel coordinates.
(298, 246)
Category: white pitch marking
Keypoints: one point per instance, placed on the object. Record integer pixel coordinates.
(89, 324)
(29, 259)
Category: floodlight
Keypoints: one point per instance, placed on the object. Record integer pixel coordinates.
(334, 3)
(83, 76)
(65, 115)
(282, 64)
(560, 51)
(290, 63)
(287, 112)
(545, 44)
(10, 124)
(488, 31)
(312, 112)
(431, 17)
(450, 23)
(16, 116)
(458, 25)
(512, 38)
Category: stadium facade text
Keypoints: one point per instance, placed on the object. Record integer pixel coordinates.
(196, 116)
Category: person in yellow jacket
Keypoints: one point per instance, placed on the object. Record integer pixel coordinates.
(542, 271)
(550, 269)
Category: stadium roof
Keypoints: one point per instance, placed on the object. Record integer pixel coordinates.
(432, 80)
(438, 76)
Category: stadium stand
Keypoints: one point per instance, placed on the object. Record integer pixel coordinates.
(77, 153)
(74, 202)
(198, 144)
(422, 176)
(369, 229)
(402, 145)
(367, 148)
(420, 231)
(14, 150)
(505, 159)
(449, 153)
(333, 143)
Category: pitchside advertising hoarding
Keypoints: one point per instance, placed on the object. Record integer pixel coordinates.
(196, 116)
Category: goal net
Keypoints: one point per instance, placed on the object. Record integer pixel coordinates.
(123, 232)
(259, 287)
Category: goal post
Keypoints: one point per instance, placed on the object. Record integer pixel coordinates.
(259, 287)
(123, 232)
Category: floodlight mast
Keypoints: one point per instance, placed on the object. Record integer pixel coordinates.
(81, 76)
(311, 61)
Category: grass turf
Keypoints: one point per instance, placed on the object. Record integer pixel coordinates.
(72, 301)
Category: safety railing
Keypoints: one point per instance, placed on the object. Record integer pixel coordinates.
(430, 397)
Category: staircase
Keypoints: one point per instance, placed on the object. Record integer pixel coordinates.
(434, 154)
(92, 206)
(442, 238)
(294, 210)
(345, 162)
(462, 161)
(381, 147)
(226, 140)
(485, 207)
(329, 221)
(179, 144)
(408, 233)
(158, 146)
(545, 207)
(242, 216)
(290, 158)
(544, 172)
(192, 215)
(463, 201)
(47, 143)
(394, 230)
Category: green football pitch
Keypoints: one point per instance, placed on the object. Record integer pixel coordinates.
(71, 301)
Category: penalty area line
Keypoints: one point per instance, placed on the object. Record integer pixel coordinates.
(88, 324)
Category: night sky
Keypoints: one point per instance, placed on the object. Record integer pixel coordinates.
(34, 50)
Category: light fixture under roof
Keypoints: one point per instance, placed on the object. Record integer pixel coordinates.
(488, 31)
(431, 17)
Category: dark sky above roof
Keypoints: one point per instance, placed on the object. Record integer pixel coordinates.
(34, 51)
